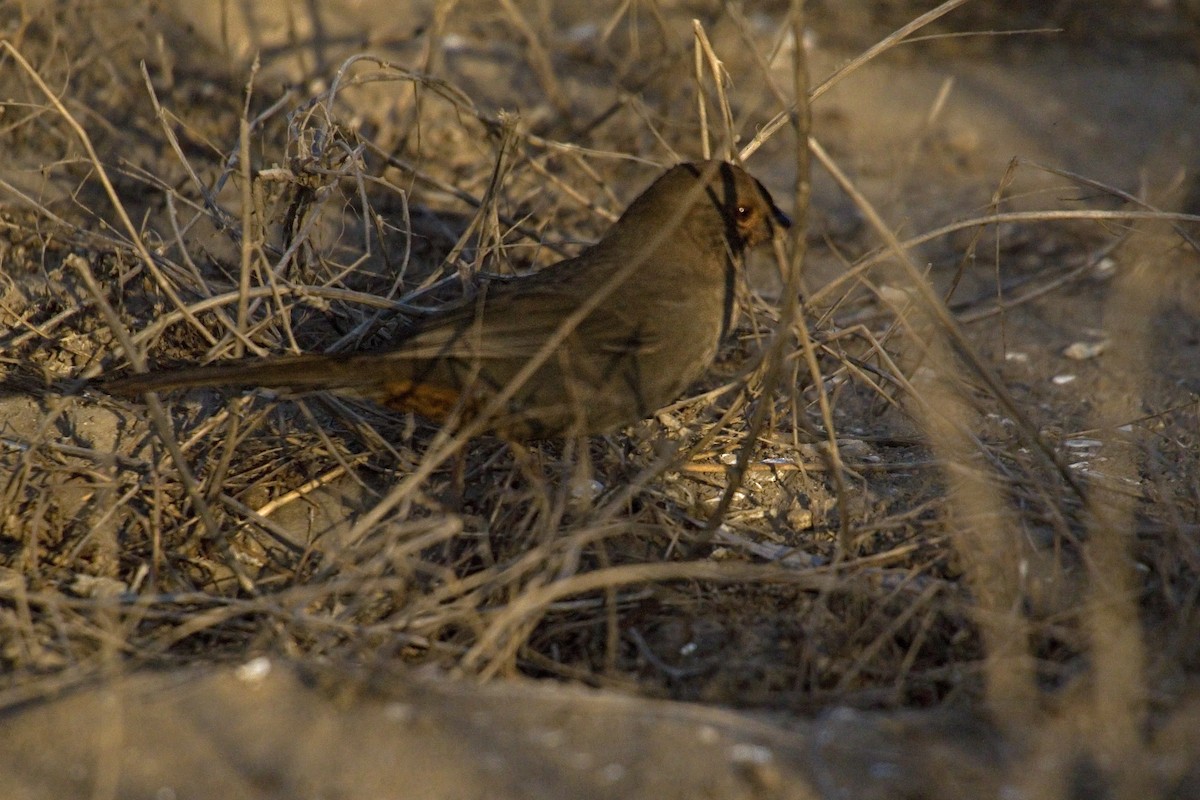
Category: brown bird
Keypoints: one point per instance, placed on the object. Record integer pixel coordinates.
(584, 346)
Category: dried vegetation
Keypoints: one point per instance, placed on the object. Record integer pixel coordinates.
(908, 530)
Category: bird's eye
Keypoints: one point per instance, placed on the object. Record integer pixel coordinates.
(743, 212)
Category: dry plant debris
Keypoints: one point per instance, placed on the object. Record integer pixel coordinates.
(920, 524)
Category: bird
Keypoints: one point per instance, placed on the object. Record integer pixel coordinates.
(585, 346)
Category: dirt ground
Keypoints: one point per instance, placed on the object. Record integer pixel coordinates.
(963, 560)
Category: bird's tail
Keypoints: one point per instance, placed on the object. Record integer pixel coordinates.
(297, 372)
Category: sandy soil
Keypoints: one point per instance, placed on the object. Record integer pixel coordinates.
(334, 608)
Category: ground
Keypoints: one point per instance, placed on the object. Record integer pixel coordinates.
(987, 587)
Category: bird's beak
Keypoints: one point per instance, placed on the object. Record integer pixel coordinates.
(781, 219)
(777, 217)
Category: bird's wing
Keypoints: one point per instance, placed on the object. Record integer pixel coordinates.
(516, 325)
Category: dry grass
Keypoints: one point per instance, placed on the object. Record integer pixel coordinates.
(900, 532)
